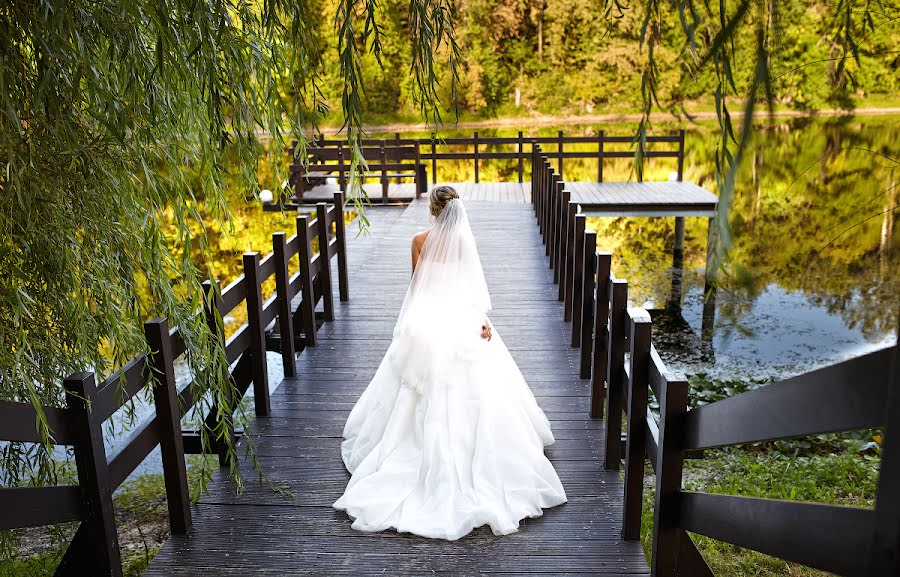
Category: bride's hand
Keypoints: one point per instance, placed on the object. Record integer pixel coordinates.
(486, 331)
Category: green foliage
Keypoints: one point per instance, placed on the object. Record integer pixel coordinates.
(122, 123)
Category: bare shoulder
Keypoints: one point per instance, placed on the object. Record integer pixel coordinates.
(418, 240)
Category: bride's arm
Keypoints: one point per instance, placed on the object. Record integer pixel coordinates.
(416, 249)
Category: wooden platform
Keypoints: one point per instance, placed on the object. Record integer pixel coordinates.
(596, 198)
(263, 533)
(670, 198)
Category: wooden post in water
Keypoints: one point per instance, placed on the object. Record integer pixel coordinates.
(168, 415)
(95, 547)
(259, 371)
(282, 289)
(677, 265)
(638, 381)
(678, 243)
(708, 318)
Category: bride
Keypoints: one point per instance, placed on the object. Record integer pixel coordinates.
(447, 437)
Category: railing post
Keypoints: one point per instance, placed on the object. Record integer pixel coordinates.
(585, 244)
(681, 155)
(600, 156)
(544, 196)
(884, 552)
(475, 140)
(587, 307)
(559, 237)
(570, 209)
(553, 216)
(342, 180)
(669, 463)
(601, 334)
(308, 299)
(535, 201)
(168, 416)
(324, 261)
(635, 444)
(615, 366)
(521, 153)
(559, 152)
(340, 233)
(97, 541)
(421, 182)
(384, 178)
(259, 371)
(434, 177)
(213, 298)
(282, 289)
(562, 250)
(574, 268)
(550, 211)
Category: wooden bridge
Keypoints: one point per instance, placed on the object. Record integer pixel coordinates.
(299, 443)
(589, 359)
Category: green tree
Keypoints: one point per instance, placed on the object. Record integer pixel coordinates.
(121, 118)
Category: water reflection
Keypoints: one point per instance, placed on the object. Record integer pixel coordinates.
(812, 275)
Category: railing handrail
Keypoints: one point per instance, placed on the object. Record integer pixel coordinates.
(95, 544)
(333, 155)
(863, 392)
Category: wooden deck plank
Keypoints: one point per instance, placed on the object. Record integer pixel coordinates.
(261, 532)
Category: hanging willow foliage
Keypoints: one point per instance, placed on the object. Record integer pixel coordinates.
(118, 116)
(710, 31)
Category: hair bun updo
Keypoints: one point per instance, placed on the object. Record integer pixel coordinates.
(440, 197)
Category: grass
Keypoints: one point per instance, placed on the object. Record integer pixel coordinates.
(845, 478)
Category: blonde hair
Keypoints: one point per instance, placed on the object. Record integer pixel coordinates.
(440, 196)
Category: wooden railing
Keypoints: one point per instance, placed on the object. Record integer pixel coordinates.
(857, 394)
(94, 550)
(485, 148)
(384, 161)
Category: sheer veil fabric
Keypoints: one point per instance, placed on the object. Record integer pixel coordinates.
(447, 436)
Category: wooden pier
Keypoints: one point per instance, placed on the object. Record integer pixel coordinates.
(662, 199)
(589, 358)
(298, 445)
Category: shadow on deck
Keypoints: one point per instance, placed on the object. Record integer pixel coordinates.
(263, 533)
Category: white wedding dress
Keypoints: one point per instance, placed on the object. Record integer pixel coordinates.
(447, 436)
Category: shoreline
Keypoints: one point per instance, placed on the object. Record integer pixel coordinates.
(613, 118)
